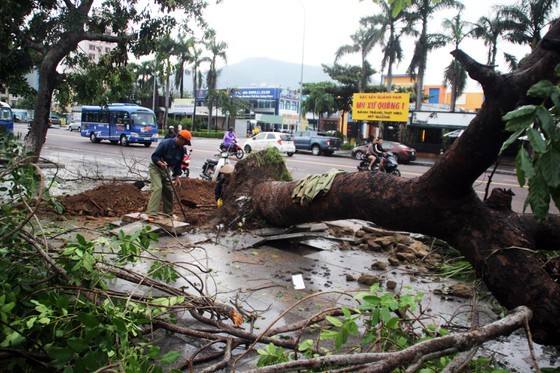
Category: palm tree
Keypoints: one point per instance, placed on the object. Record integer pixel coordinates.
(165, 50)
(319, 101)
(528, 19)
(422, 10)
(364, 40)
(394, 26)
(197, 75)
(454, 74)
(490, 30)
(183, 50)
(145, 73)
(217, 50)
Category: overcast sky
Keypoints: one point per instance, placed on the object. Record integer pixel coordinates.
(278, 29)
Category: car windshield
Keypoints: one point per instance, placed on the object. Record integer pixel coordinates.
(286, 137)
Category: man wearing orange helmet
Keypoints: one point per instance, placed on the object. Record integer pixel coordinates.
(167, 158)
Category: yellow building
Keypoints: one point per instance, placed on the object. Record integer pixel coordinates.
(438, 94)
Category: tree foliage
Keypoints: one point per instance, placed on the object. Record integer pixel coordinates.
(41, 35)
(538, 165)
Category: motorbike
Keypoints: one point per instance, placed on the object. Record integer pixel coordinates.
(211, 167)
(186, 163)
(234, 149)
(391, 166)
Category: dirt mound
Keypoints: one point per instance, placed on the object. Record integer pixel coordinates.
(118, 199)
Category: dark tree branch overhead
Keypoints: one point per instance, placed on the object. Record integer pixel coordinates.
(499, 243)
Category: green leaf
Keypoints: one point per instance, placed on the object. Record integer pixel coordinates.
(88, 320)
(549, 165)
(12, 339)
(536, 140)
(524, 166)
(161, 302)
(367, 339)
(328, 334)
(335, 321)
(61, 354)
(77, 344)
(520, 112)
(385, 314)
(31, 322)
(538, 197)
(393, 323)
(555, 97)
(542, 89)
(546, 122)
(170, 357)
(520, 123)
(307, 344)
(8, 307)
(513, 138)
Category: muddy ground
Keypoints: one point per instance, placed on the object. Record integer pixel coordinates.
(392, 258)
(117, 199)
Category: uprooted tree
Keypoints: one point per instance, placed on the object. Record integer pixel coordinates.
(501, 245)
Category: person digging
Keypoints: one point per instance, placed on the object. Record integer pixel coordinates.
(165, 169)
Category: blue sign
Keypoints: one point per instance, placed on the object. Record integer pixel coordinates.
(247, 93)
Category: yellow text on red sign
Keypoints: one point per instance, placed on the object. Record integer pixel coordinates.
(388, 107)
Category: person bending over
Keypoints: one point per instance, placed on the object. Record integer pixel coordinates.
(167, 158)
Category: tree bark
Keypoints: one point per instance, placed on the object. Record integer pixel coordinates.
(499, 243)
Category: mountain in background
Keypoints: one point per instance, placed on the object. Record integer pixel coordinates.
(266, 72)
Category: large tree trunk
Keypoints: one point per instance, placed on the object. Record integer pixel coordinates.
(499, 243)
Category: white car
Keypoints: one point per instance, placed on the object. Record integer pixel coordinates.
(281, 141)
(75, 126)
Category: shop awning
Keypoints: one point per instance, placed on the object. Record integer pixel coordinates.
(267, 118)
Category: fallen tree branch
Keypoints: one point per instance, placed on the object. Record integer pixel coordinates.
(388, 361)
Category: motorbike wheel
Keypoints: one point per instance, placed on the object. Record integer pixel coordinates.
(239, 153)
(186, 172)
(396, 173)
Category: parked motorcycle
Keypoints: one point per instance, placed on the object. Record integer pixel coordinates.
(211, 167)
(391, 166)
(186, 163)
(233, 150)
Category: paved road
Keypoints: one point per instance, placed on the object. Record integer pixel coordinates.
(81, 157)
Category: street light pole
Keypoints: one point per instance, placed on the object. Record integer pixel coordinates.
(300, 114)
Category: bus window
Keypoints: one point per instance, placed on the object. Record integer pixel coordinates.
(144, 119)
(104, 117)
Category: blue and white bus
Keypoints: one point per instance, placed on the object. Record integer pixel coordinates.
(6, 117)
(119, 123)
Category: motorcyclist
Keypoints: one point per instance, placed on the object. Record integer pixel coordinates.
(171, 133)
(381, 153)
(229, 139)
(372, 154)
